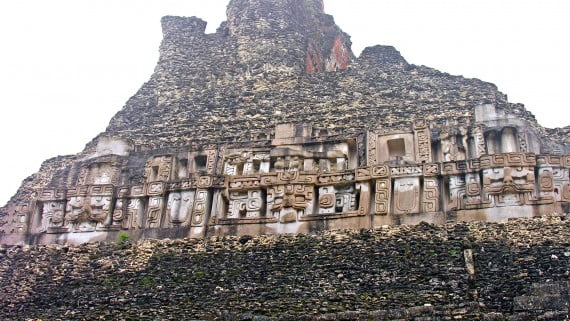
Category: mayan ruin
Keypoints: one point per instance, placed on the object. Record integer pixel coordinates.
(265, 172)
(271, 125)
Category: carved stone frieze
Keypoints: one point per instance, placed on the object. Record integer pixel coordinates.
(406, 195)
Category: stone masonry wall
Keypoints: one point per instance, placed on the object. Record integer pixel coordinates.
(519, 270)
(281, 62)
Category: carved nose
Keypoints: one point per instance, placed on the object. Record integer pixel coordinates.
(508, 180)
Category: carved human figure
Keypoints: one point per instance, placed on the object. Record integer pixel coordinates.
(450, 148)
(464, 141)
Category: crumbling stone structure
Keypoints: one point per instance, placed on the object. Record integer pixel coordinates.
(272, 125)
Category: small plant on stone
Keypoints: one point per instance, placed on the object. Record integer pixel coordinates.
(123, 240)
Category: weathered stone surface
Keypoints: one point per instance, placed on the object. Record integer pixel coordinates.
(272, 125)
(521, 272)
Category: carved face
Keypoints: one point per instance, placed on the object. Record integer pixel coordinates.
(100, 206)
(508, 179)
(54, 210)
(174, 200)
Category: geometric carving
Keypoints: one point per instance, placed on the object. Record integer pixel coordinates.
(52, 215)
(479, 140)
(371, 151)
(158, 168)
(326, 200)
(380, 171)
(200, 207)
(210, 161)
(154, 212)
(382, 197)
(473, 190)
(509, 185)
(431, 170)
(423, 142)
(431, 195)
(17, 221)
(345, 199)
(407, 195)
(456, 192)
(406, 171)
(288, 201)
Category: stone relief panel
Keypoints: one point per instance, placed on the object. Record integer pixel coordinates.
(457, 191)
(154, 212)
(246, 204)
(509, 185)
(159, 168)
(407, 195)
(201, 207)
(430, 195)
(422, 141)
(453, 145)
(327, 200)
(288, 202)
(86, 214)
(382, 197)
(18, 220)
(179, 208)
(477, 133)
(472, 190)
(53, 216)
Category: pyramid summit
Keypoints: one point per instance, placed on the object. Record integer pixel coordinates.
(272, 125)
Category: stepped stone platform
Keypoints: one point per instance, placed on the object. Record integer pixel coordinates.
(519, 270)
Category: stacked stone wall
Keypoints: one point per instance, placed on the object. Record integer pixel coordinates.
(518, 270)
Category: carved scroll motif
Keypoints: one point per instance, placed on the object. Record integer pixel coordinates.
(345, 199)
(326, 200)
(134, 215)
(457, 192)
(289, 201)
(472, 190)
(248, 204)
(201, 207)
(154, 212)
(382, 197)
(431, 195)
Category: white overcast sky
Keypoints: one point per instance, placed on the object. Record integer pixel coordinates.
(67, 66)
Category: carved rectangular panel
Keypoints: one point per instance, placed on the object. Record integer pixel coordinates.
(327, 200)
(456, 192)
(201, 207)
(431, 194)
(382, 197)
(154, 212)
(407, 195)
(423, 145)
